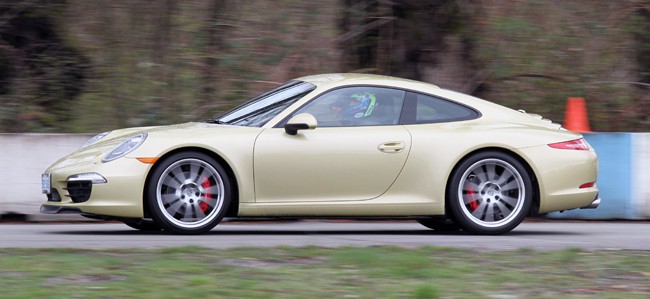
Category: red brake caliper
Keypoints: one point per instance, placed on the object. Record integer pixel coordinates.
(469, 197)
(205, 184)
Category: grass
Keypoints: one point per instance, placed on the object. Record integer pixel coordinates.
(315, 272)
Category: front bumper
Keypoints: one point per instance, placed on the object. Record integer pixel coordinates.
(121, 195)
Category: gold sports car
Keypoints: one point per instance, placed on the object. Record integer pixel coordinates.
(334, 145)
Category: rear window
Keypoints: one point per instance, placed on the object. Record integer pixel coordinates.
(429, 109)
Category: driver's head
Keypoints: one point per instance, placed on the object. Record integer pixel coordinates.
(355, 106)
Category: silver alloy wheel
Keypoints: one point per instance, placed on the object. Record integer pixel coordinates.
(190, 193)
(491, 193)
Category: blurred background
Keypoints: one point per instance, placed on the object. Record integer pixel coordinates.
(90, 66)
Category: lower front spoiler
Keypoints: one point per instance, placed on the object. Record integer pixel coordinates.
(594, 204)
(47, 209)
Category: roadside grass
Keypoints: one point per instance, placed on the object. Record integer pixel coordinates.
(317, 272)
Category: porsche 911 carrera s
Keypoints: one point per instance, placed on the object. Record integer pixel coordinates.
(333, 145)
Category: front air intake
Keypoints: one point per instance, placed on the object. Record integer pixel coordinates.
(79, 191)
(54, 196)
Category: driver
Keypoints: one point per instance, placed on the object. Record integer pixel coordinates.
(356, 106)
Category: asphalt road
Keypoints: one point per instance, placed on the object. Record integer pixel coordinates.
(547, 235)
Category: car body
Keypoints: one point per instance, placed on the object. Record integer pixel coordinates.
(333, 145)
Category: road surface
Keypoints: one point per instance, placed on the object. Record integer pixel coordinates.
(545, 235)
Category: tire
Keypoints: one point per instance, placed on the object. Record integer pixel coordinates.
(439, 224)
(143, 225)
(490, 193)
(188, 193)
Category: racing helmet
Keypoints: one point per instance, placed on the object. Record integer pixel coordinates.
(357, 106)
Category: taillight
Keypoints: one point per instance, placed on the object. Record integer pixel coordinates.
(578, 144)
(587, 185)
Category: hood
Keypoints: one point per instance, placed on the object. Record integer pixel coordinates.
(115, 137)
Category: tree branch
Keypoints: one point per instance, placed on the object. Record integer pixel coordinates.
(16, 10)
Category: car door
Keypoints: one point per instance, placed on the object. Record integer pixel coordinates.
(356, 152)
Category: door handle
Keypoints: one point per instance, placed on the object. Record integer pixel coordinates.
(392, 147)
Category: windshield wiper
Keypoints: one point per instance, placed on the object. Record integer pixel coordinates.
(214, 121)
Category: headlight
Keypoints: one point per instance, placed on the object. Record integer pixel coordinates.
(95, 138)
(125, 147)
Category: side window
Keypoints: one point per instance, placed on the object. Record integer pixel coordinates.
(357, 106)
(431, 109)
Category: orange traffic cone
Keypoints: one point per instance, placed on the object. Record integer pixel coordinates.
(575, 118)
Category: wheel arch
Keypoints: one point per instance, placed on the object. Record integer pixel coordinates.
(233, 209)
(536, 191)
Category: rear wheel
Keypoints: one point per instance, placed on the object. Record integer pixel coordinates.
(188, 193)
(490, 193)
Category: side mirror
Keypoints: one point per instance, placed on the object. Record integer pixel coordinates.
(302, 121)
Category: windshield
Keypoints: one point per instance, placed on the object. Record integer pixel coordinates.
(258, 111)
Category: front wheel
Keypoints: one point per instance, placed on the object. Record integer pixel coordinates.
(490, 193)
(188, 193)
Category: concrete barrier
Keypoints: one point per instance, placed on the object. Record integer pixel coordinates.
(23, 158)
(641, 174)
(624, 172)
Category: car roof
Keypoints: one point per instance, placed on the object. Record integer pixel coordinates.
(340, 79)
(487, 109)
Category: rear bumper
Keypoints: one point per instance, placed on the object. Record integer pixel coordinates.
(566, 178)
(594, 204)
